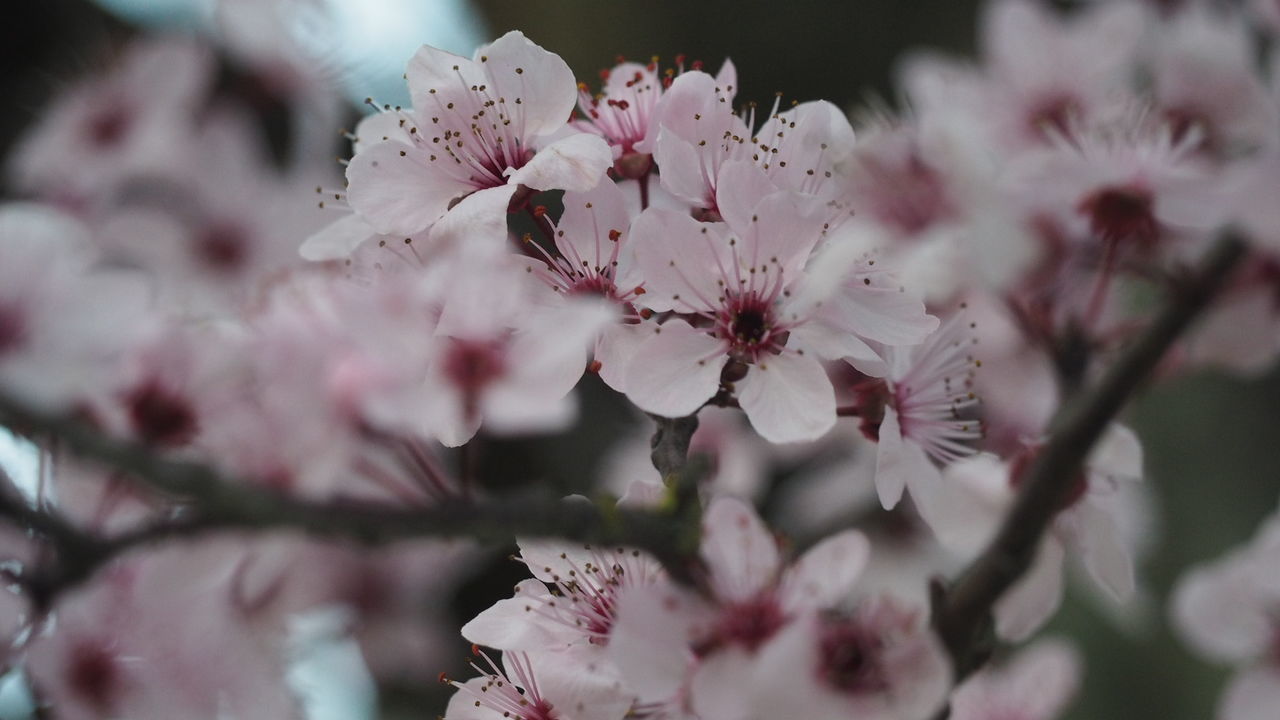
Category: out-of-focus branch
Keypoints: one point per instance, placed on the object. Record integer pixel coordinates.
(962, 613)
(215, 502)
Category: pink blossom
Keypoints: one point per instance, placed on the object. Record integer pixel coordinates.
(134, 120)
(1225, 610)
(879, 661)
(534, 686)
(797, 149)
(1036, 684)
(920, 413)
(666, 639)
(595, 258)
(63, 322)
(762, 324)
(476, 125)
(976, 492)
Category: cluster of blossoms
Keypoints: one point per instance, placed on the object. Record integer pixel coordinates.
(874, 322)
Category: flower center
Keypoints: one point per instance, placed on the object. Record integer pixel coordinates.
(747, 322)
(748, 624)
(93, 674)
(223, 246)
(160, 417)
(1120, 213)
(12, 330)
(472, 364)
(848, 658)
(108, 126)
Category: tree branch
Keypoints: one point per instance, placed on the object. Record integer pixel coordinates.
(962, 613)
(221, 503)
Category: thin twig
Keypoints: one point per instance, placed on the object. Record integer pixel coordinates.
(962, 613)
(215, 502)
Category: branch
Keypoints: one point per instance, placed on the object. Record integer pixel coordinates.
(221, 503)
(962, 613)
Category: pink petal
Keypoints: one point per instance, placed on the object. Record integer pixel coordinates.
(677, 370)
(338, 239)
(519, 68)
(680, 260)
(740, 552)
(1033, 600)
(788, 398)
(399, 194)
(825, 575)
(576, 163)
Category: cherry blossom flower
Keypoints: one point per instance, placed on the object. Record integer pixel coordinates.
(534, 686)
(919, 414)
(666, 639)
(626, 111)
(156, 636)
(879, 661)
(1203, 77)
(795, 150)
(581, 608)
(976, 492)
(134, 120)
(761, 320)
(63, 322)
(476, 125)
(595, 258)
(1036, 684)
(1225, 610)
(1039, 70)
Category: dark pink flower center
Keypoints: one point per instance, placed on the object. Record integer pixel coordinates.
(910, 198)
(12, 330)
(848, 657)
(473, 364)
(748, 323)
(1121, 213)
(161, 417)
(108, 126)
(223, 246)
(92, 674)
(748, 624)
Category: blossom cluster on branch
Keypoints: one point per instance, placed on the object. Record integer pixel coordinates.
(903, 339)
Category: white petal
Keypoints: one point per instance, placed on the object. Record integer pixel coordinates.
(680, 259)
(399, 194)
(1105, 555)
(788, 398)
(337, 239)
(740, 552)
(681, 168)
(615, 349)
(513, 623)
(740, 186)
(1254, 694)
(1118, 454)
(825, 575)
(677, 370)
(576, 163)
(519, 68)
(649, 642)
(719, 689)
(1033, 599)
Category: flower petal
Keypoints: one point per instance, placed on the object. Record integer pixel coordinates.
(788, 398)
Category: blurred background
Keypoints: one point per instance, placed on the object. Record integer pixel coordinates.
(1212, 442)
